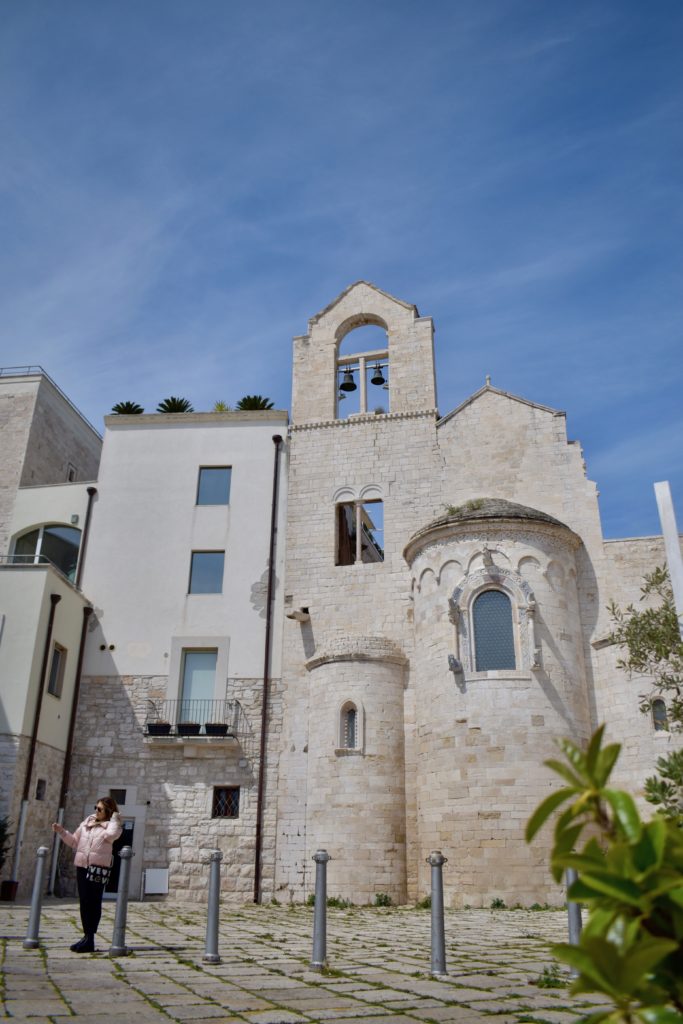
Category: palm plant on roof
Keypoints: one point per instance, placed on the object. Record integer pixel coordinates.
(249, 402)
(174, 404)
(127, 409)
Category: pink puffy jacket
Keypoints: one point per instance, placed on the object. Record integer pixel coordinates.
(93, 840)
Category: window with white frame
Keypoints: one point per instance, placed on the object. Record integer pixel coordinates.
(198, 685)
(360, 532)
(494, 640)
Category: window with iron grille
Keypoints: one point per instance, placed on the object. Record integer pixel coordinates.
(226, 802)
(494, 640)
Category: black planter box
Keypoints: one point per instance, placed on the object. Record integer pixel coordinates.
(216, 728)
(158, 728)
(188, 728)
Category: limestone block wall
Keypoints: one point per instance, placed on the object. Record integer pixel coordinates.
(17, 401)
(358, 795)
(46, 779)
(397, 454)
(59, 437)
(482, 736)
(175, 783)
(411, 354)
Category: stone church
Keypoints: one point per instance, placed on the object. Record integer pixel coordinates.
(446, 582)
(426, 592)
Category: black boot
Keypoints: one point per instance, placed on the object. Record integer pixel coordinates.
(77, 946)
(87, 945)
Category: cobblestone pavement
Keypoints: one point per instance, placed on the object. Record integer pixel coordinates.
(378, 968)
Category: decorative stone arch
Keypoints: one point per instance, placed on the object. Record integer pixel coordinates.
(359, 320)
(461, 601)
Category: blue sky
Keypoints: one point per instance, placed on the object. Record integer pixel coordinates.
(182, 185)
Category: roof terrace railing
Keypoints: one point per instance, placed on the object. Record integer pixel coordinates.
(34, 371)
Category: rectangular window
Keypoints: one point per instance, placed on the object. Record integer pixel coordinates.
(119, 795)
(206, 572)
(199, 681)
(213, 487)
(56, 676)
(226, 802)
(360, 532)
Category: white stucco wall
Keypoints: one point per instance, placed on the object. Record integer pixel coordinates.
(146, 523)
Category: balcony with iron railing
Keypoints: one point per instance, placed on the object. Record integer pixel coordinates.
(190, 720)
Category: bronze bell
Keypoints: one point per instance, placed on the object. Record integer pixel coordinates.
(348, 383)
(377, 377)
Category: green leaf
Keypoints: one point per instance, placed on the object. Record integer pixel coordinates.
(659, 1015)
(585, 961)
(605, 763)
(545, 809)
(593, 752)
(609, 885)
(566, 773)
(640, 960)
(625, 812)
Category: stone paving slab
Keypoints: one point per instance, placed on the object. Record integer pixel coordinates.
(378, 969)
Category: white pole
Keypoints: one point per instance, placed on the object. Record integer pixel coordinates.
(672, 545)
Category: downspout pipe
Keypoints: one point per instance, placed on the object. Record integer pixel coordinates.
(92, 491)
(54, 601)
(277, 441)
(68, 754)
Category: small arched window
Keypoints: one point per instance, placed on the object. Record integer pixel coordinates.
(494, 641)
(660, 718)
(348, 727)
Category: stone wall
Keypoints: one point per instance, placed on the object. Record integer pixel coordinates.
(59, 438)
(16, 412)
(175, 781)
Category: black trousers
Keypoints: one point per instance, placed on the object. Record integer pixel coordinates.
(90, 897)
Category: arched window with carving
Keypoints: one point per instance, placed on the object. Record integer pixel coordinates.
(660, 717)
(363, 371)
(349, 727)
(494, 640)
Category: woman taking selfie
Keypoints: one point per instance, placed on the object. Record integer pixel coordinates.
(92, 841)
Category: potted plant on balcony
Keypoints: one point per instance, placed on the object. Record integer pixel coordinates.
(159, 728)
(188, 728)
(216, 728)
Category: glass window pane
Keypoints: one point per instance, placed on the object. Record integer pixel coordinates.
(26, 546)
(346, 534)
(660, 718)
(60, 544)
(372, 531)
(56, 677)
(199, 678)
(493, 636)
(206, 574)
(214, 485)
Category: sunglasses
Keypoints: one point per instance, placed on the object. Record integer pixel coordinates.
(102, 810)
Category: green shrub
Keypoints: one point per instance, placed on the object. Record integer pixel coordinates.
(631, 881)
(498, 904)
(382, 899)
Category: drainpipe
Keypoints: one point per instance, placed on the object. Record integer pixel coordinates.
(66, 770)
(277, 441)
(54, 601)
(92, 491)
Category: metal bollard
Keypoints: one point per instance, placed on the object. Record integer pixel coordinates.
(211, 946)
(573, 915)
(31, 941)
(118, 942)
(319, 958)
(438, 966)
